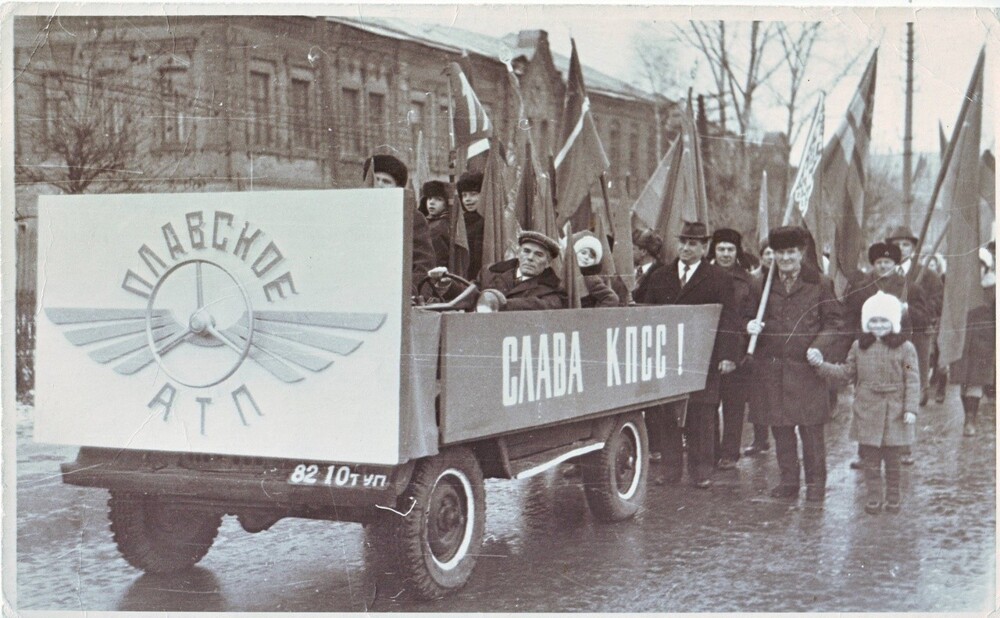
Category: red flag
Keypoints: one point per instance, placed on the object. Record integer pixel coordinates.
(421, 171)
(472, 127)
(492, 205)
(668, 198)
(803, 201)
(843, 172)
(581, 160)
(960, 196)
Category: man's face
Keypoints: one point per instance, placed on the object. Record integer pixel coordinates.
(435, 206)
(766, 258)
(884, 266)
(725, 254)
(384, 181)
(533, 259)
(470, 200)
(638, 255)
(789, 260)
(906, 247)
(690, 250)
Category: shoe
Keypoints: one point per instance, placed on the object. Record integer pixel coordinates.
(655, 457)
(785, 491)
(923, 397)
(726, 464)
(906, 460)
(969, 430)
(815, 494)
(939, 397)
(702, 484)
(756, 449)
(892, 506)
(872, 507)
(857, 464)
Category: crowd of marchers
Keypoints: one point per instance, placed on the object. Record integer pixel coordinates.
(878, 336)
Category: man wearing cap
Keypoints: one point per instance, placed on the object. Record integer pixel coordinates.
(726, 250)
(691, 280)
(802, 314)
(931, 290)
(524, 283)
(388, 173)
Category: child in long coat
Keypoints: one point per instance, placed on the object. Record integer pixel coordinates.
(434, 206)
(882, 365)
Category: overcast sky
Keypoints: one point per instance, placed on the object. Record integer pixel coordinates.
(946, 42)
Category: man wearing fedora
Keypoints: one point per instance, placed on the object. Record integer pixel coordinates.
(802, 315)
(931, 290)
(524, 283)
(692, 280)
(389, 173)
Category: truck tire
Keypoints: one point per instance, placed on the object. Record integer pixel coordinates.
(614, 477)
(430, 545)
(156, 537)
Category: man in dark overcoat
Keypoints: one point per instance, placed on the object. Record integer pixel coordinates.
(692, 280)
(727, 253)
(802, 314)
(647, 248)
(389, 172)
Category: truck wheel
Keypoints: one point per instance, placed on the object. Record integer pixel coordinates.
(156, 537)
(432, 548)
(614, 477)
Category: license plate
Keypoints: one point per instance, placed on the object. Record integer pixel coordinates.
(336, 475)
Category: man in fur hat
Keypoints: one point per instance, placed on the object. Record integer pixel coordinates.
(931, 290)
(389, 172)
(726, 250)
(524, 283)
(691, 280)
(802, 314)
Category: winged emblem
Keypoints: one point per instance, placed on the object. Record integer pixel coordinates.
(282, 342)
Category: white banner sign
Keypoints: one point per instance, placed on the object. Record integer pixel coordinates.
(260, 324)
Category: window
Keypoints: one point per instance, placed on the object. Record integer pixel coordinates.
(260, 108)
(107, 87)
(301, 114)
(175, 121)
(443, 150)
(376, 119)
(633, 155)
(351, 124)
(55, 98)
(614, 148)
(651, 159)
(415, 119)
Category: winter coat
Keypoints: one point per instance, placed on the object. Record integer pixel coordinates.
(790, 391)
(440, 231)
(977, 367)
(642, 293)
(474, 229)
(886, 385)
(423, 250)
(599, 293)
(707, 285)
(541, 292)
(930, 291)
(746, 298)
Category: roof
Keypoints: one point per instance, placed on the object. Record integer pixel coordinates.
(512, 45)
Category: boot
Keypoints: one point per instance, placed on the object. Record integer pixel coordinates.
(893, 497)
(873, 487)
(971, 407)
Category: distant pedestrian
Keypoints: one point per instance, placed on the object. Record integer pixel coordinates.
(882, 365)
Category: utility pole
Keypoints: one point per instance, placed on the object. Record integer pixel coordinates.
(908, 134)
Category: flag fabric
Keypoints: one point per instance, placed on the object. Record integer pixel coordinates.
(472, 127)
(581, 159)
(670, 196)
(532, 204)
(803, 200)
(694, 167)
(572, 278)
(763, 212)
(421, 171)
(960, 195)
(497, 240)
(843, 179)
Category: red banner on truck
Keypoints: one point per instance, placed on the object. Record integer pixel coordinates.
(507, 371)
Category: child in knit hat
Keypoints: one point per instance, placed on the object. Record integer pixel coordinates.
(882, 365)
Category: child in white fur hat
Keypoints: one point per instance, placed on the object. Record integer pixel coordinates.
(882, 365)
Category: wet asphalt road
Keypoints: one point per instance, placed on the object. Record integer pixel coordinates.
(727, 549)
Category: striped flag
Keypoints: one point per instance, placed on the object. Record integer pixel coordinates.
(581, 160)
(960, 196)
(843, 183)
(471, 125)
(803, 201)
(763, 212)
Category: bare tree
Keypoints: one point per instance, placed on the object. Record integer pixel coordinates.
(95, 123)
(658, 63)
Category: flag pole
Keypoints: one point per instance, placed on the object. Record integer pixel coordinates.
(452, 152)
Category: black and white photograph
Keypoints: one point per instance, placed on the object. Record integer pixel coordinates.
(745, 260)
